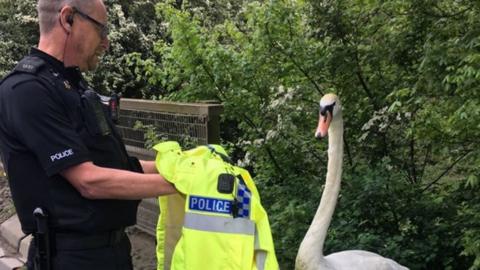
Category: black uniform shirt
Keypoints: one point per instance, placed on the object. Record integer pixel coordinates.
(36, 121)
(42, 132)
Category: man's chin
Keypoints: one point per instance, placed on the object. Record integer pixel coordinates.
(92, 65)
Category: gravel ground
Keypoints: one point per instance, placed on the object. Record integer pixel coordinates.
(6, 205)
(6, 209)
(143, 245)
(143, 250)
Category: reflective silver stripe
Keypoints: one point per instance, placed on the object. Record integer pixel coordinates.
(260, 257)
(260, 254)
(219, 224)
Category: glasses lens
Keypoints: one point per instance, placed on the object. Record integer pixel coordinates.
(102, 27)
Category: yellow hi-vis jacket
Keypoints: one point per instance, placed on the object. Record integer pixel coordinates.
(224, 226)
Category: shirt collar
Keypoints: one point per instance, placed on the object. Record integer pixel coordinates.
(72, 74)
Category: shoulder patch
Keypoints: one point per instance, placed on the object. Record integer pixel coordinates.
(213, 205)
(30, 64)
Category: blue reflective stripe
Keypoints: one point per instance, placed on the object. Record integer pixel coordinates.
(213, 205)
(219, 224)
(244, 198)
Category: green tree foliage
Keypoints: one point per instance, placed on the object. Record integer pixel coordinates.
(407, 73)
(18, 32)
(133, 27)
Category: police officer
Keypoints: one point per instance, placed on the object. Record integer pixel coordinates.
(60, 150)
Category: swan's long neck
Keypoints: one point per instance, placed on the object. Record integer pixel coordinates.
(311, 249)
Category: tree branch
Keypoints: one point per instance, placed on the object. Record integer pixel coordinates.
(347, 150)
(363, 82)
(245, 117)
(446, 171)
(444, 14)
(278, 47)
(425, 160)
(413, 171)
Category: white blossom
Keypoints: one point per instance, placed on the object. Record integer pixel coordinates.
(246, 161)
(258, 142)
(271, 134)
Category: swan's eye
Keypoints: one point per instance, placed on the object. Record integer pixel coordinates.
(325, 109)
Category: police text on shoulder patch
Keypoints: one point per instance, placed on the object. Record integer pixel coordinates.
(213, 205)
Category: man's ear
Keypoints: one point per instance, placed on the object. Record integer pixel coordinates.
(66, 18)
(70, 19)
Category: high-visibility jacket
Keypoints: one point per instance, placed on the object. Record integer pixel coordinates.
(223, 226)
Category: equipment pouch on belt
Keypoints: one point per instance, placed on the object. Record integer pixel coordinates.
(42, 260)
(94, 114)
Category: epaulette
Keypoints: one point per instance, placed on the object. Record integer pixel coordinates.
(30, 64)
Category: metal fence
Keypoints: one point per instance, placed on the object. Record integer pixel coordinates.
(190, 123)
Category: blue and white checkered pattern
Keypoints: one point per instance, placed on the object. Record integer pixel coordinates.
(244, 197)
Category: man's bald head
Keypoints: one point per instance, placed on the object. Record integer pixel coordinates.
(48, 11)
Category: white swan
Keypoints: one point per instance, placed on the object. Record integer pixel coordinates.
(310, 254)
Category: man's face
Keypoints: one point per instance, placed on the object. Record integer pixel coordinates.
(92, 41)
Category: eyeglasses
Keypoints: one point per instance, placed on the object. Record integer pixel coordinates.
(103, 28)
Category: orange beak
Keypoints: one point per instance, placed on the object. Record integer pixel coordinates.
(323, 124)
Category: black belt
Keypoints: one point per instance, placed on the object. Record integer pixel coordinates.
(74, 241)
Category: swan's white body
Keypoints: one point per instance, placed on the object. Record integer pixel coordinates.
(310, 254)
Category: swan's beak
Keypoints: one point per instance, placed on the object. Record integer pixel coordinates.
(323, 124)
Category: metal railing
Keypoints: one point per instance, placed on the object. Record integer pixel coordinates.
(195, 123)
